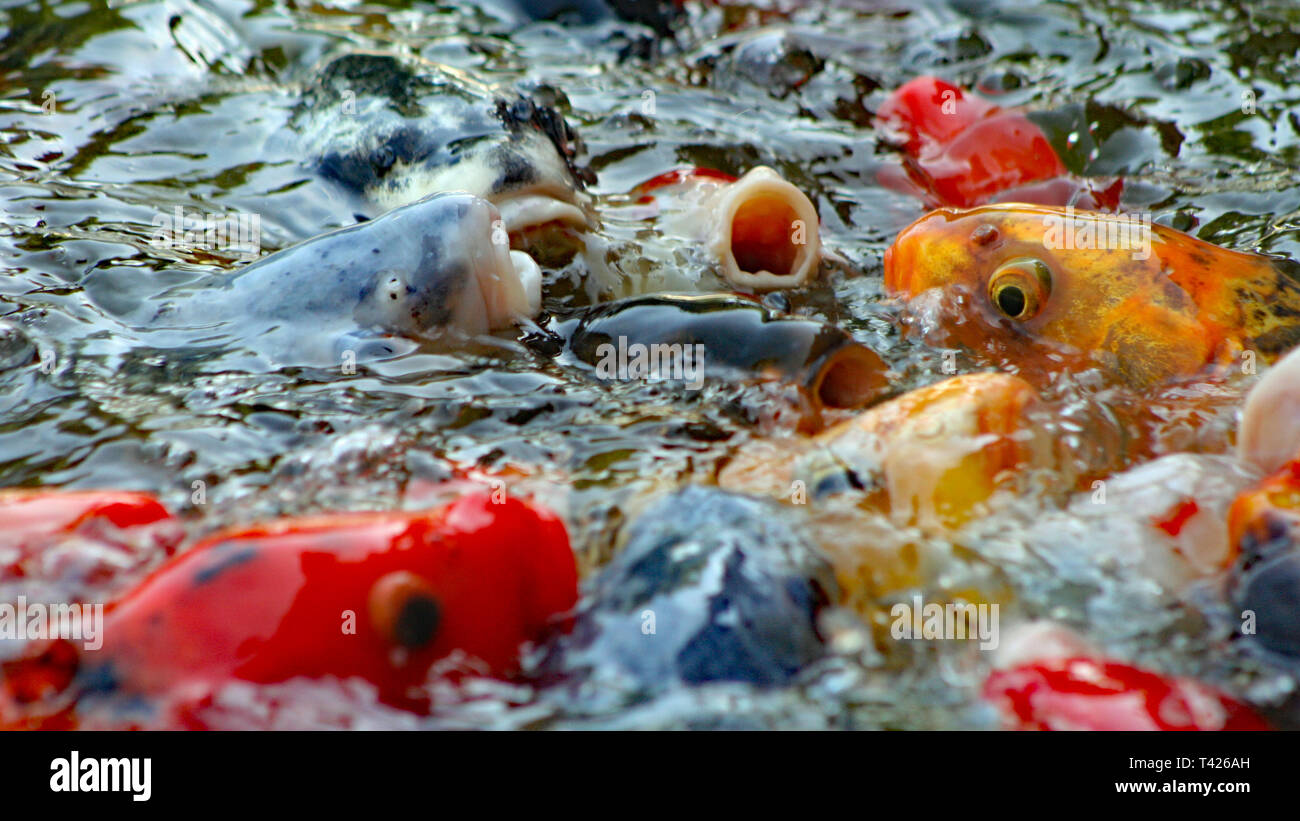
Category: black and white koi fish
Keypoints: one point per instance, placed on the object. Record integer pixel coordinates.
(390, 131)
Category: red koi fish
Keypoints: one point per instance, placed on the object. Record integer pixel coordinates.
(86, 543)
(33, 517)
(962, 150)
(382, 597)
(679, 176)
(1089, 694)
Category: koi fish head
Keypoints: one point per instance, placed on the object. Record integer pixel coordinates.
(761, 230)
(765, 232)
(932, 457)
(1045, 287)
(394, 130)
(446, 265)
(940, 452)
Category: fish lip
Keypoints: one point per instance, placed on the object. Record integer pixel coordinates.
(762, 181)
(553, 191)
(887, 264)
(898, 263)
(496, 287)
(899, 260)
(534, 207)
(850, 376)
(530, 276)
(510, 282)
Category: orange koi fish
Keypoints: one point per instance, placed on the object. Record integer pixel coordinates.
(1044, 289)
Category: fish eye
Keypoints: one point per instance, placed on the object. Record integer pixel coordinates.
(1011, 300)
(1019, 288)
(404, 610)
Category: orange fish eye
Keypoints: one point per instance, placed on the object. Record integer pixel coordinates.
(1020, 288)
(404, 610)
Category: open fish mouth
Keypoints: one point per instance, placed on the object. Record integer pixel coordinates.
(509, 282)
(765, 232)
(759, 231)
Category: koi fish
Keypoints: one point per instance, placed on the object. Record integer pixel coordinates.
(932, 457)
(1042, 288)
(383, 597)
(760, 231)
(708, 586)
(372, 288)
(390, 131)
(731, 338)
(1095, 694)
(961, 150)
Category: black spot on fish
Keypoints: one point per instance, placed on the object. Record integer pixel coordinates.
(224, 562)
(363, 169)
(417, 624)
(1288, 275)
(1278, 340)
(516, 170)
(375, 75)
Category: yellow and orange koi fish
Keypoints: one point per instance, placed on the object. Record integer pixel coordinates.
(1046, 289)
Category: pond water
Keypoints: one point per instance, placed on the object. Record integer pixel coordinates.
(112, 113)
